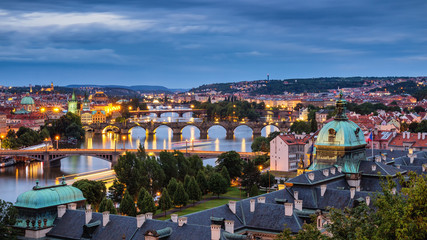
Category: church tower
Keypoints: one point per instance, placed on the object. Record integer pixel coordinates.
(72, 104)
(86, 104)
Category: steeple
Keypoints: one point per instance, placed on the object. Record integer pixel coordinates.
(341, 108)
(73, 97)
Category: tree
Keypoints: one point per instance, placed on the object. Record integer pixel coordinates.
(116, 191)
(173, 184)
(225, 175)
(418, 109)
(165, 201)
(193, 190)
(195, 165)
(313, 125)
(202, 182)
(413, 127)
(254, 191)
(153, 174)
(187, 180)
(145, 202)
(107, 205)
(169, 164)
(129, 171)
(260, 144)
(93, 191)
(422, 126)
(272, 135)
(267, 179)
(300, 127)
(180, 197)
(232, 161)
(404, 127)
(217, 184)
(127, 206)
(251, 175)
(8, 215)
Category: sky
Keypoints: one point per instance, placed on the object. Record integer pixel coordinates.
(187, 43)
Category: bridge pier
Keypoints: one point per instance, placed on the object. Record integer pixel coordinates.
(256, 132)
(181, 114)
(176, 133)
(229, 134)
(203, 134)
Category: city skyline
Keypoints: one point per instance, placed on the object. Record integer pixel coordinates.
(185, 44)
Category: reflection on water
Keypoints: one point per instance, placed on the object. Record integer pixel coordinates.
(17, 179)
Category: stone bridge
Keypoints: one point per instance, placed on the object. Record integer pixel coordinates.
(177, 127)
(112, 155)
(138, 113)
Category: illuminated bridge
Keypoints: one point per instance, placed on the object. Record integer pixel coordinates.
(177, 127)
(159, 112)
(111, 155)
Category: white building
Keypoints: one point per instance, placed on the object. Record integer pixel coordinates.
(287, 150)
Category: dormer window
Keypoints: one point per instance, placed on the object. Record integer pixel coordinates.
(357, 132)
(332, 134)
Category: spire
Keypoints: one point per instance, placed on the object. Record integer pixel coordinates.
(341, 108)
(73, 97)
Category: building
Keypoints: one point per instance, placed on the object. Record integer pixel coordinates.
(407, 140)
(39, 207)
(98, 116)
(72, 104)
(27, 103)
(99, 98)
(86, 103)
(86, 117)
(286, 151)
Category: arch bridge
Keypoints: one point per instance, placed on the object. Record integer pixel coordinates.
(177, 127)
(159, 112)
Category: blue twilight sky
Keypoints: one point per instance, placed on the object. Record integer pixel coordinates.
(186, 43)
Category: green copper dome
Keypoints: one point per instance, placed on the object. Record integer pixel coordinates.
(341, 133)
(42, 197)
(27, 101)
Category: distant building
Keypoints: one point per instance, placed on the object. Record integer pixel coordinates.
(99, 97)
(99, 117)
(72, 104)
(86, 117)
(86, 103)
(27, 103)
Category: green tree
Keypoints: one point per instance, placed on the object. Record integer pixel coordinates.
(413, 127)
(196, 164)
(180, 197)
(8, 215)
(127, 206)
(173, 184)
(217, 184)
(129, 171)
(404, 127)
(300, 127)
(107, 205)
(313, 125)
(165, 201)
(193, 190)
(145, 202)
(93, 191)
(418, 109)
(153, 175)
(260, 144)
(232, 161)
(267, 179)
(254, 191)
(272, 135)
(116, 191)
(422, 126)
(251, 175)
(202, 182)
(187, 180)
(225, 175)
(169, 164)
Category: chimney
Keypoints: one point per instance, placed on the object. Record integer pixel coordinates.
(295, 194)
(311, 176)
(88, 215)
(105, 218)
(215, 232)
(182, 221)
(229, 226)
(289, 209)
(339, 168)
(149, 215)
(398, 166)
(140, 219)
(367, 200)
(232, 206)
(252, 205)
(352, 192)
(374, 167)
(326, 172)
(412, 158)
(322, 189)
(174, 217)
(61, 210)
(333, 170)
(424, 135)
(393, 190)
(358, 188)
(261, 199)
(88, 206)
(298, 204)
(419, 135)
(377, 158)
(72, 206)
(384, 156)
(424, 167)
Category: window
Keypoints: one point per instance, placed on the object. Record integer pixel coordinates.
(332, 134)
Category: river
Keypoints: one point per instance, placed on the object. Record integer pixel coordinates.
(20, 178)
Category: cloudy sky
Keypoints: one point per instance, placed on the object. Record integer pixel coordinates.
(186, 43)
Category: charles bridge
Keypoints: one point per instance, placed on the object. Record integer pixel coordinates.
(177, 127)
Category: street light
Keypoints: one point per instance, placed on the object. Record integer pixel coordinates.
(45, 142)
(1, 142)
(260, 167)
(124, 138)
(57, 142)
(192, 144)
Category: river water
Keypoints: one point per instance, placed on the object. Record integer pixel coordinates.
(20, 178)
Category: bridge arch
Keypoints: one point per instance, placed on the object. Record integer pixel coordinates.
(88, 129)
(111, 128)
(243, 128)
(136, 127)
(269, 128)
